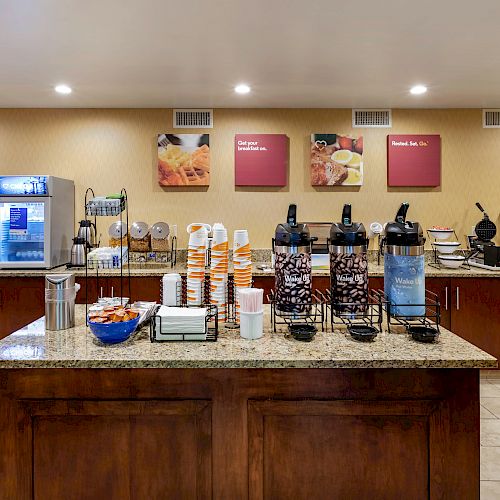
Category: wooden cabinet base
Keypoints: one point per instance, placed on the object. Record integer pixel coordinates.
(274, 434)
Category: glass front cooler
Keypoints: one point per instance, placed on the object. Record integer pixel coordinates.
(22, 231)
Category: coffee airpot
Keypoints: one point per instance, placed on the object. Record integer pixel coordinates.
(404, 274)
(348, 245)
(292, 247)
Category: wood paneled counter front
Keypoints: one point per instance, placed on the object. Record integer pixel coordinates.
(272, 418)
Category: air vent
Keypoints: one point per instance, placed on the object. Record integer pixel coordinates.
(373, 118)
(491, 118)
(193, 118)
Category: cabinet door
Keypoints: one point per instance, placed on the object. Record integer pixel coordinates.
(264, 282)
(91, 295)
(476, 312)
(442, 288)
(22, 301)
(118, 449)
(376, 283)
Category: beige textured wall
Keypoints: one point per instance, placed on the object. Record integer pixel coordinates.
(111, 148)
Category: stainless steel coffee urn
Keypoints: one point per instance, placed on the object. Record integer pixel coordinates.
(348, 245)
(292, 246)
(60, 295)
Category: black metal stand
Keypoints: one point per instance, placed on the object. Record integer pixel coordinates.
(105, 211)
(368, 313)
(142, 259)
(431, 317)
(288, 314)
(436, 264)
(211, 329)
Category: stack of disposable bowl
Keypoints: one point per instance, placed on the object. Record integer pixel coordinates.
(218, 269)
(197, 246)
(242, 265)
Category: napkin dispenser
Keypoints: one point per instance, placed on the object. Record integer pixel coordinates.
(492, 255)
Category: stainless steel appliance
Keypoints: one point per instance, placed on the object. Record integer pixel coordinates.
(320, 232)
(78, 252)
(483, 250)
(86, 231)
(60, 295)
(36, 221)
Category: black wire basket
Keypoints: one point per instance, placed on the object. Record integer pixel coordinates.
(211, 329)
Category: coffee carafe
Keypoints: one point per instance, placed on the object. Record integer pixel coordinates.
(348, 245)
(292, 246)
(78, 252)
(404, 274)
(87, 232)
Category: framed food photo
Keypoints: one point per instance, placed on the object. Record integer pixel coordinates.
(183, 160)
(336, 160)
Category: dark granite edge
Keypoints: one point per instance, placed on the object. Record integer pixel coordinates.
(250, 364)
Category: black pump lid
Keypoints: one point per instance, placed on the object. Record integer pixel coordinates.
(292, 233)
(85, 223)
(348, 232)
(79, 241)
(402, 232)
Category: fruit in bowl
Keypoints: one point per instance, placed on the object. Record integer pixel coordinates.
(113, 324)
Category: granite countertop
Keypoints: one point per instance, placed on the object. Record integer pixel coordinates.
(33, 347)
(156, 270)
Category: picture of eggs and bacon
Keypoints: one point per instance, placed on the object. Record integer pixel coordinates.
(336, 160)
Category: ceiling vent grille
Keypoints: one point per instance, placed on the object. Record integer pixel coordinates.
(491, 118)
(193, 118)
(372, 118)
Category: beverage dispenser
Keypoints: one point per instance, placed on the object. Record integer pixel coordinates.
(404, 275)
(349, 264)
(292, 246)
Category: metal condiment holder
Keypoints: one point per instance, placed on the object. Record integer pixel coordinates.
(312, 312)
(369, 313)
(211, 328)
(94, 211)
(431, 317)
(143, 259)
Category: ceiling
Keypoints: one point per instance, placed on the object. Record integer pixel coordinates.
(294, 53)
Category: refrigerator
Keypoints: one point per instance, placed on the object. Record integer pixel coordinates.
(37, 214)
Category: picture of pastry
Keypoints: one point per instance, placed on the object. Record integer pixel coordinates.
(183, 160)
(336, 160)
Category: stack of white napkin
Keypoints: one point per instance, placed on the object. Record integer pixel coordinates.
(181, 320)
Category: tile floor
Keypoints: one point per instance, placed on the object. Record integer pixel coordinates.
(490, 435)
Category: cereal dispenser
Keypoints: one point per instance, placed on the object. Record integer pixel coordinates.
(292, 246)
(348, 264)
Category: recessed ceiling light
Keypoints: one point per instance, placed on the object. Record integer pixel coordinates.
(418, 89)
(242, 88)
(63, 89)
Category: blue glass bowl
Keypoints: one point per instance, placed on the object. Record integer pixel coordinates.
(112, 333)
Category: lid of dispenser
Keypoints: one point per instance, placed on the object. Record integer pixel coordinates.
(292, 233)
(348, 233)
(402, 232)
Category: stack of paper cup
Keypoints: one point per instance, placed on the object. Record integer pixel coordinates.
(242, 265)
(198, 235)
(219, 269)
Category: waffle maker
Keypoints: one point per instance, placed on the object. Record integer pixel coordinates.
(484, 251)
